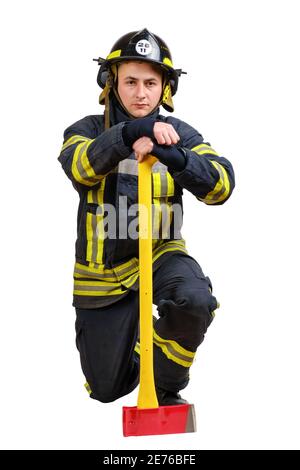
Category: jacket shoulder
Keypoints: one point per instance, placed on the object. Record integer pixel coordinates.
(89, 126)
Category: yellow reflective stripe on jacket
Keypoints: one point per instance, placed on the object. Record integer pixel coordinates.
(98, 271)
(96, 280)
(174, 351)
(156, 191)
(203, 149)
(123, 271)
(166, 218)
(94, 226)
(171, 185)
(222, 188)
(81, 167)
(156, 219)
(163, 184)
(127, 268)
(89, 272)
(130, 281)
(107, 287)
(73, 140)
(173, 245)
(156, 208)
(95, 196)
(88, 388)
(95, 237)
(163, 187)
(137, 348)
(97, 288)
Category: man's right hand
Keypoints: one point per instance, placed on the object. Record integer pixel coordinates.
(169, 155)
(161, 132)
(165, 134)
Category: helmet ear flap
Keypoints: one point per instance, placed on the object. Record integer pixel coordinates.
(173, 86)
(173, 80)
(106, 71)
(167, 101)
(102, 76)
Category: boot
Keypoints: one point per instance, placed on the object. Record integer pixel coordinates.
(166, 398)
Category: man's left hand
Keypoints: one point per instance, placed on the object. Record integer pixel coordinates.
(142, 147)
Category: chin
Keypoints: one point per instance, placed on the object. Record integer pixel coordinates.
(140, 113)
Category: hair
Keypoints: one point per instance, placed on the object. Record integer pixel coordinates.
(154, 66)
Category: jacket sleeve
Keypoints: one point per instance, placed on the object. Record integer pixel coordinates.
(86, 156)
(207, 175)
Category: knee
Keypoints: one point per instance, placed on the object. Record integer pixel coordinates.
(190, 314)
(200, 303)
(197, 313)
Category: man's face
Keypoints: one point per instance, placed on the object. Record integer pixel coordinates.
(139, 87)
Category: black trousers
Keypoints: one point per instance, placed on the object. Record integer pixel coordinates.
(106, 337)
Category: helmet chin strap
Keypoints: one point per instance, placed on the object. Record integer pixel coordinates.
(106, 111)
(121, 104)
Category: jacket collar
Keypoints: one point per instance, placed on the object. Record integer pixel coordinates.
(118, 113)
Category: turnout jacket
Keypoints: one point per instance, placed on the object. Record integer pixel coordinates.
(104, 171)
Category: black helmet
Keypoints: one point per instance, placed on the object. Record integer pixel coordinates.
(142, 46)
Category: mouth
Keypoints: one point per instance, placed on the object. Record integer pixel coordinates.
(140, 105)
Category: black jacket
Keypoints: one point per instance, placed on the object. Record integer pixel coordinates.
(103, 170)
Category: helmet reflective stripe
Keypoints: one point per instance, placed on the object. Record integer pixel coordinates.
(168, 62)
(114, 54)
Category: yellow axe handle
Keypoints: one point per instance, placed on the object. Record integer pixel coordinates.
(147, 396)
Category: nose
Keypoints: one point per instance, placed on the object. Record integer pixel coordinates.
(140, 91)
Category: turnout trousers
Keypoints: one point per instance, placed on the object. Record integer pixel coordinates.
(107, 337)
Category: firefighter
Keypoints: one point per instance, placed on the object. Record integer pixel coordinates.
(100, 155)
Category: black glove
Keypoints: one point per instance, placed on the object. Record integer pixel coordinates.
(133, 130)
(171, 156)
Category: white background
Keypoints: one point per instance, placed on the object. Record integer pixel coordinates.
(242, 94)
